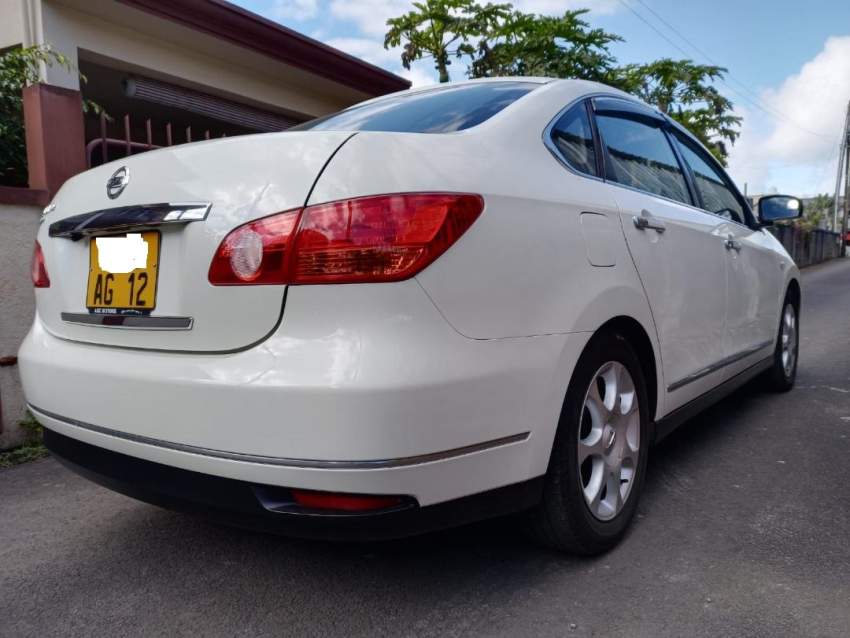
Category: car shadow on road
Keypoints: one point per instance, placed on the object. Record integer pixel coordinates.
(178, 564)
(703, 435)
(500, 537)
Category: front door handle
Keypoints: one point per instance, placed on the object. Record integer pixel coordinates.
(732, 244)
(646, 221)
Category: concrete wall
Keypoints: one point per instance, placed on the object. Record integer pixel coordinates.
(18, 225)
(117, 36)
(808, 247)
(112, 34)
(12, 23)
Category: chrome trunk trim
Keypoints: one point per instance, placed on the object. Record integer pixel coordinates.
(132, 322)
(128, 218)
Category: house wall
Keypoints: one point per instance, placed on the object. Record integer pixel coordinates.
(12, 24)
(120, 37)
(18, 225)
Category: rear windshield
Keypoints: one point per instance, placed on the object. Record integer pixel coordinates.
(441, 110)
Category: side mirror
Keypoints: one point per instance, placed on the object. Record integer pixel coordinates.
(774, 208)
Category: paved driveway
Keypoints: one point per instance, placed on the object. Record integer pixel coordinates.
(743, 531)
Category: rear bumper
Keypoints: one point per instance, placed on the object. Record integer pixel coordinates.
(248, 505)
(362, 389)
(427, 479)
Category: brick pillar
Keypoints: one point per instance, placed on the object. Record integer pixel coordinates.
(55, 136)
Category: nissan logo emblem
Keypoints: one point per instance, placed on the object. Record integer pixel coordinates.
(116, 184)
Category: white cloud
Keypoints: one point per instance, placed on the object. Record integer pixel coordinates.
(373, 51)
(796, 150)
(551, 7)
(294, 9)
(418, 76)
(365, 48)
(371, 16)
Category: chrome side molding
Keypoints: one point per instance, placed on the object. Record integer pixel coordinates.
(699, 374)
(127, 218)
(375, 464)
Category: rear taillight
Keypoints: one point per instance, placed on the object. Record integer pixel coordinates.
(255, 253)
(385, 238)
(368, 239)
(38, 269)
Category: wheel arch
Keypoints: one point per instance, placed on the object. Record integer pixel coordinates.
(795, 294)
(637, 337)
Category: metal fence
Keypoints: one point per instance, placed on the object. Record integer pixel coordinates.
(808, 247)
(103, 148)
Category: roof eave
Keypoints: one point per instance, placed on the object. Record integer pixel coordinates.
(226, 21)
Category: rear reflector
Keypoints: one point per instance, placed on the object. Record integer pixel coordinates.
(344, 502)
(38, 269)
(368, 239)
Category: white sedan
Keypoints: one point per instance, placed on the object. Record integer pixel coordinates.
(436, 306)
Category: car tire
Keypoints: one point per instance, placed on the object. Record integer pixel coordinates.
(783, 373)
(569, 518)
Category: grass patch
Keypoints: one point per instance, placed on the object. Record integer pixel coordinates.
(32, 447)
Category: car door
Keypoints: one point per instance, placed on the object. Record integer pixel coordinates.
(677, 249)
(753, 274)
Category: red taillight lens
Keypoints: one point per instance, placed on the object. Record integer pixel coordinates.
(38, 269)
(255, 253)
(385, 238)
(368, 239)
(344, 502)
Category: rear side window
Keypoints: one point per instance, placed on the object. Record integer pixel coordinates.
(639, 155)
(712, 186)
(442, 110)
(573, 137)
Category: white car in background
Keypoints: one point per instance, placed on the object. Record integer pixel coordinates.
(437, 306)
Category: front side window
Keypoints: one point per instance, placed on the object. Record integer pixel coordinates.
(441, 110)
(713, 188)
(640, 156)
(573, 137)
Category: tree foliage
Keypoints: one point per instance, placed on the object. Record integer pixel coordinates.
(441, 29)
(20, 67)
(817, 213)
(685, 91)
(527, 44)
(501, 41)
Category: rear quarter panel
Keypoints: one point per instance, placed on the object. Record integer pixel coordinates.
(523, 269)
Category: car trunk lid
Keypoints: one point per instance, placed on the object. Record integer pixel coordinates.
(175, 205)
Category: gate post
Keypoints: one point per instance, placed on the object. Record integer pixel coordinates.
(55, 135)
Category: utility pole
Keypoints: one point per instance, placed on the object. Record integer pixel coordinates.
(846, 208)
(843, 173)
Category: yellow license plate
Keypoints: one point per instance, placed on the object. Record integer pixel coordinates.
(123, 272)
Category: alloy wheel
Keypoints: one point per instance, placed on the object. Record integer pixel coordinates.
(788, 339)
(609, 440)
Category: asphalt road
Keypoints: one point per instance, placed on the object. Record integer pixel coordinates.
(742, 531)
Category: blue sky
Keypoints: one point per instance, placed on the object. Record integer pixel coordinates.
(789, 65)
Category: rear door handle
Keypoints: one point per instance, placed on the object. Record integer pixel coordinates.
(732, 244)
(646, 221)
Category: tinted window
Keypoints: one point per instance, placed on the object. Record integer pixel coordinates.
(440, 110)
(640, 156)
(713, 189)
(573, 137)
